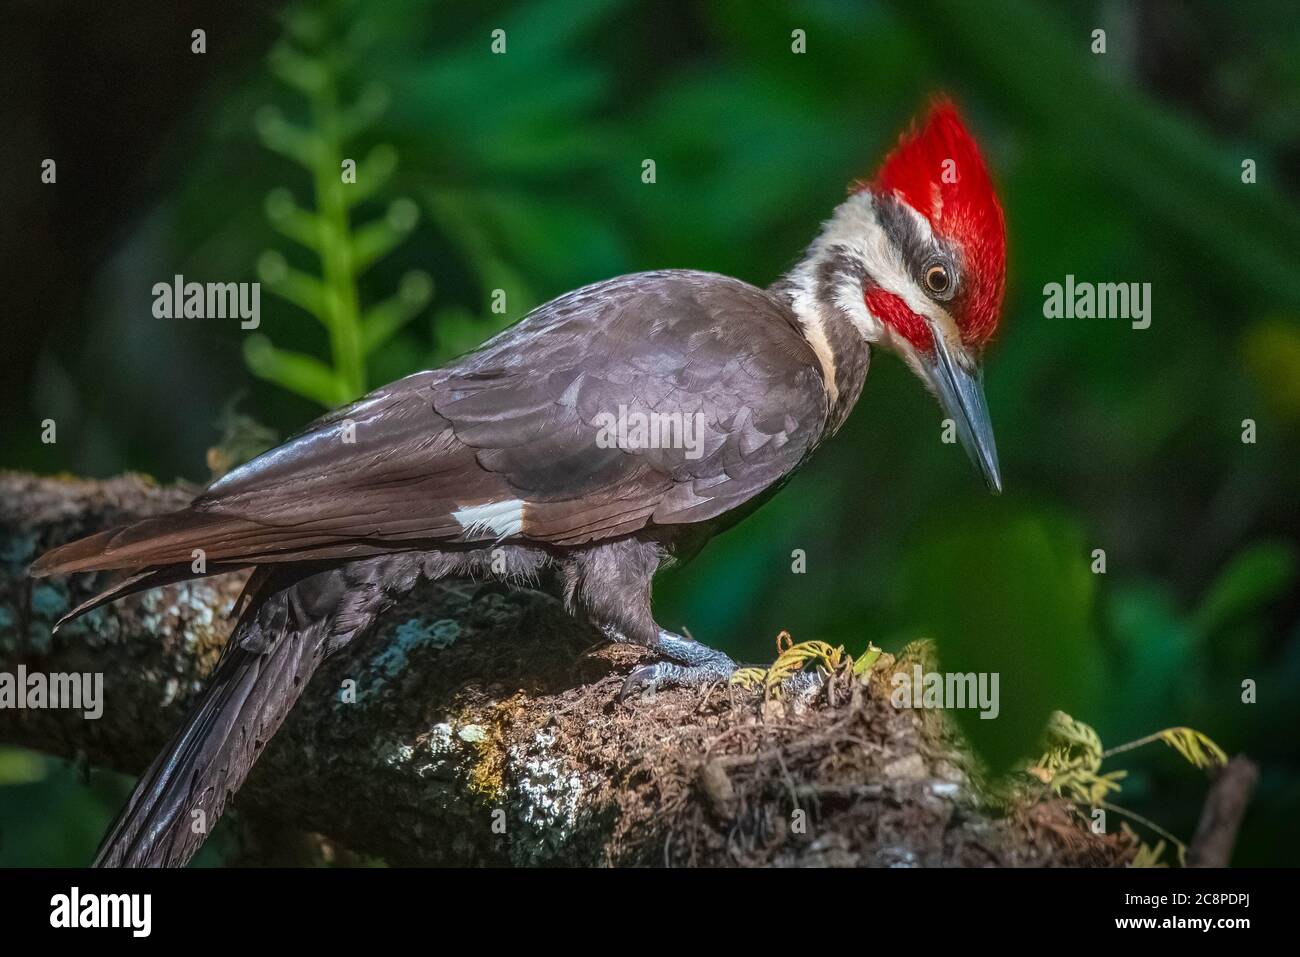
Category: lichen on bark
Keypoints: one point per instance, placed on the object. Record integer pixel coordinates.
(482, 728)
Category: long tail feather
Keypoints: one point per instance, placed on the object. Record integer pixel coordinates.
(293, 619)
(161, 540)
(182, 795)
(142, 581)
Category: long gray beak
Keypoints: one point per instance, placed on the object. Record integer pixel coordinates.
(961, 393)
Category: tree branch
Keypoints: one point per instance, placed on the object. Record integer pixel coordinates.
(484, 731)
(1225, 806)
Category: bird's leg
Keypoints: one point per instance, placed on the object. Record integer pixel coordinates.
(692, 664)
(689, 663)
(611, 583)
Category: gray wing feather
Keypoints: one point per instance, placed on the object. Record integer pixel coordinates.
(519, 419)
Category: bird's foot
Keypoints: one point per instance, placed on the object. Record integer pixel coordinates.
(692, 665)
(669, 674)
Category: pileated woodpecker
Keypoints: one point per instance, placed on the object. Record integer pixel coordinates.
(492, 465)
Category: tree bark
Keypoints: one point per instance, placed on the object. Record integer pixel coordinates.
(478, 726)
(1225, 806)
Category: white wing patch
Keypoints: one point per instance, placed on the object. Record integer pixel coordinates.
(502, 519)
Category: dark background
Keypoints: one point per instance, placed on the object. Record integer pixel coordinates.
(525, 173)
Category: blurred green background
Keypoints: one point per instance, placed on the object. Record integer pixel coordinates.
(522, 172)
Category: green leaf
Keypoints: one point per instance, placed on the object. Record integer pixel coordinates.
(302, 146)
(382, 321)
(299, 70)
(1008, 594)
(375, 240)
(373, 172)
(1253, 579)
(20, 767)
(290, 219)
(1196, 748)
(295, 286)
(295, 371)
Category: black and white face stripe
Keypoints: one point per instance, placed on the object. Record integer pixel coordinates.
(921, 249)
(874, 241)
(885, 243)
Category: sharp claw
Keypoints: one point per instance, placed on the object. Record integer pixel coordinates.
(645, 675)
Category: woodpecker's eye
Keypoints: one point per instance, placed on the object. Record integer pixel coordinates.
(936, 277)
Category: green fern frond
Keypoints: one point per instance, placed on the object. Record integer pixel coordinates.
(309, 61)
(791, 659)
(1195, 747)
(1071, 766)
(1147, 856)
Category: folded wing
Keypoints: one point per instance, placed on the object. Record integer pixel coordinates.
(654, 399)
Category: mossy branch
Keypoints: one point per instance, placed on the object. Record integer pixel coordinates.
(483, 730)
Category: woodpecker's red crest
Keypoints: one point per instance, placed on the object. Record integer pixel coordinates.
(501, 464)
(938, 171)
